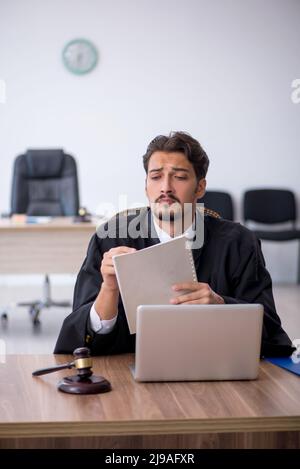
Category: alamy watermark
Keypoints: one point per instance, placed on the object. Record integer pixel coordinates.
(2, 91)
(136, 223)
(295, 96)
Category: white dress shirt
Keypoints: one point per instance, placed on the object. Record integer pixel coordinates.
(104, 326)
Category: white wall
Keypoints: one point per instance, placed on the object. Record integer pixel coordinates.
(221, 70)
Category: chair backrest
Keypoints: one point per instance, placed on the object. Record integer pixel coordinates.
(221, 202)
(269, 206)
(45, 183)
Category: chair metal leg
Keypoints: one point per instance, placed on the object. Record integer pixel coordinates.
(34, 312)
(46, 291)
(35, 307)
(4, 319)
(47, 300)
(4, 314)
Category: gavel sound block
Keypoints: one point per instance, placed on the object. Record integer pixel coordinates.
(82, 383)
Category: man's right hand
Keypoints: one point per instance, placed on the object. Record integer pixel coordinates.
(107, 267)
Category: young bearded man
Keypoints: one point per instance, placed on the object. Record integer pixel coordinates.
(229, 263)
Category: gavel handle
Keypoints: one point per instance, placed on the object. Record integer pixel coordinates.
(51, 369)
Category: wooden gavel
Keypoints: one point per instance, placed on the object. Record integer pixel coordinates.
(82, 383)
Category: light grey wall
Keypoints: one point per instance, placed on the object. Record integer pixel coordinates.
(219, 69)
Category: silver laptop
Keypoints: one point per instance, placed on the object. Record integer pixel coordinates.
(198, 342)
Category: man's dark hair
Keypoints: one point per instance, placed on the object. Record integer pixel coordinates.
(180, 142)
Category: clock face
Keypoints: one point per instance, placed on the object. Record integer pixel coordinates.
(80, 56)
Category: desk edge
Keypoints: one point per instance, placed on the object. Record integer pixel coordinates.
(154, 427)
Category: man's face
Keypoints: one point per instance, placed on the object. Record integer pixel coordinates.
(171, 185)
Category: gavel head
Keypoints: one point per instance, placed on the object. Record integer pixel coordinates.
(83, 362)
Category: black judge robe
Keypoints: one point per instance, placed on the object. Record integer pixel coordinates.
(230, 261)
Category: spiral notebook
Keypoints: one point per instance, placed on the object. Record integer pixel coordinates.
(146, 277)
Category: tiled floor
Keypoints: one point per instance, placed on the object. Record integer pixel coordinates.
(19, 335)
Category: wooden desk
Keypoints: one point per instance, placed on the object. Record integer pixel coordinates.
(243, 414)
(56, 247)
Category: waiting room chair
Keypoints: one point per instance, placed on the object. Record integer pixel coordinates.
(220, 202)
(271, 207)
(45, 183)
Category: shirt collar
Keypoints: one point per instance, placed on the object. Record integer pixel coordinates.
(164, 236)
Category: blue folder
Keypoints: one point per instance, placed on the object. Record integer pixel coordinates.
(288, 363)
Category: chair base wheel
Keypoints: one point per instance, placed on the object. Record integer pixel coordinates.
(36, 322)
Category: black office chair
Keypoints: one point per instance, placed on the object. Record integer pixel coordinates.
(45, 183)
(220, 202)
(271, 206)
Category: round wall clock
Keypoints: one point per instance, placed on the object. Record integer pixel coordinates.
(80, 56)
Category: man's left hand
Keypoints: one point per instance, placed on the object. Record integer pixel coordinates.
(199, 294)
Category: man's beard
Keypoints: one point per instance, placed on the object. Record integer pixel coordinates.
(172, 213)
(166, 216)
